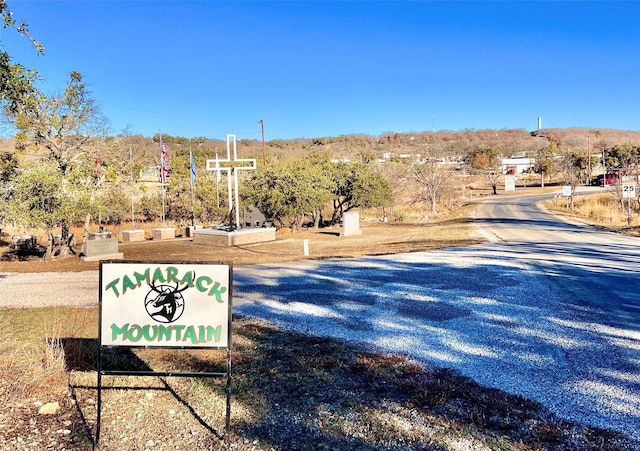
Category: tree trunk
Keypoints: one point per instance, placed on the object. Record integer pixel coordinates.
(337, 211)
(63, 246)
(49, 254)
(85, 231)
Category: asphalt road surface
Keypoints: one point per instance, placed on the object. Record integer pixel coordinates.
(547, 309)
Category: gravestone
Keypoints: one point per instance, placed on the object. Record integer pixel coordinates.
(99, 235)
(187, 231)
(254, 217)
(237, 237)
(101, 249)
(351, 223)
(510, 183)
(24, 242)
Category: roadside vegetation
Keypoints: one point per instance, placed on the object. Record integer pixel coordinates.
(605, 209)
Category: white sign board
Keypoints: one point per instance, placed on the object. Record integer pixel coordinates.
(567, 191)
(509, 183)
(629, 190)
(165, 304)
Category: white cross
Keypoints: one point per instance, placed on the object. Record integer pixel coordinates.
(232, 172)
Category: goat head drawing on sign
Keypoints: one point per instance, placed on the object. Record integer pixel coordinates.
(165, 303)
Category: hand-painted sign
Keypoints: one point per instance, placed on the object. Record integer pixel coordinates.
(165, 304)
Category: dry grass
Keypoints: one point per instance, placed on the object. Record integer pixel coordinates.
(289, 391)
(377, 238)
(602, 210)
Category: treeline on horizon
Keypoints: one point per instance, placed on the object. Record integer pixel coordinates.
(508, 142)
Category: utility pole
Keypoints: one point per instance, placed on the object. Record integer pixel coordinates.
(264, 157)
(589, 157)
(604, 168)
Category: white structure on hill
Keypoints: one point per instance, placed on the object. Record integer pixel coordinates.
(515, 166)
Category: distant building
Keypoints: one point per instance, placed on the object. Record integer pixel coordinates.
(150, 174)
(515, 166)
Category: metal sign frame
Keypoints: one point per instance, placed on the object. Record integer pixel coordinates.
(167, 272)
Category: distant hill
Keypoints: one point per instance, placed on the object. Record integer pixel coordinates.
(510, 142)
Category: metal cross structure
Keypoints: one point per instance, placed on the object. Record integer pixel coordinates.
(232, 166)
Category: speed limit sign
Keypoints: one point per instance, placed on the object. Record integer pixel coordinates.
(629, 190)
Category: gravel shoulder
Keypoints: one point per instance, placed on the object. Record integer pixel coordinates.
(33, 290)
(470, 309)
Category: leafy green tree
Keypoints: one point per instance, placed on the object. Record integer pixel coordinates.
(16, 81)
(178, 200)
(210, 199)
(36, 198)
(149, 206)
(358, 185)
(8, 167)
(290, 190)
(40, 198)
(621, 156)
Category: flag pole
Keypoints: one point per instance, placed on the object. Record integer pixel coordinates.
(217, 182)
(192, 170)
(133, 217)
(163, 178)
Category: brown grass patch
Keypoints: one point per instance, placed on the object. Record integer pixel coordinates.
(377, 239)
(603, 210)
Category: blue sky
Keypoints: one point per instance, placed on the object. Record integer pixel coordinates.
(316, 69)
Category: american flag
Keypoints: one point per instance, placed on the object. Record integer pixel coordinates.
(164, 169)
(192, 164)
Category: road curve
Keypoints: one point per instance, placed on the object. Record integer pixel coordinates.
(547, 309)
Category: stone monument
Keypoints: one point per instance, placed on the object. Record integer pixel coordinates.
(100, 246)
(351, 223)
(163, 233)
(232, 233)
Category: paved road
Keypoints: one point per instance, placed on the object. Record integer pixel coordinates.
(548, 310)
(600, 270)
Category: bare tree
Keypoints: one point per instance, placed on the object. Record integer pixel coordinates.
(64, 126)
(431, 177)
